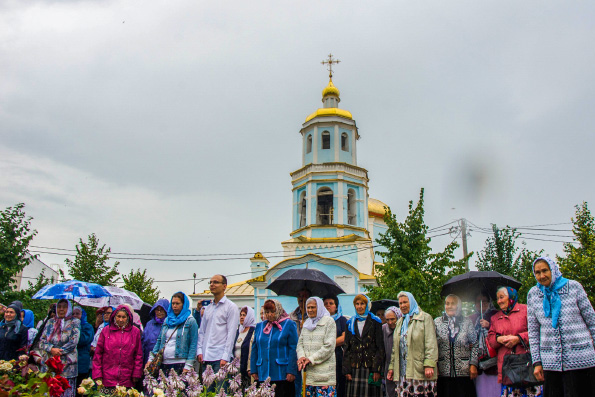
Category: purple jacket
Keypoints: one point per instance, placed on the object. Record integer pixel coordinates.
(118, 356)
(152, 329)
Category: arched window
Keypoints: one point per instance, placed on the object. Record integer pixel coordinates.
(326, 140)
(302, 209)
(344, 142)
(309, 144)
(351, 208)
(324, 207)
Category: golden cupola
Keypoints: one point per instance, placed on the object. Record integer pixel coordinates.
(330, 90)
(330, 102)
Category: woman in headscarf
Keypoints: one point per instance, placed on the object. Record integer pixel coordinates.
(178, 336)
(415, 351)
(508, 328)
(274, 350)
(486, 383)
(391, 316)
(158, 314)
(60, 339)
(243, 345)
(561, 324)
(331, 303)
(316, 349)
(106, 314)
(457, 351)
(84, 345)
(363, 358)
(118, 359)
(13, 334)
(28, 321)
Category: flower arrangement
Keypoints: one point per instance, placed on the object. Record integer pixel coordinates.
(20, 378)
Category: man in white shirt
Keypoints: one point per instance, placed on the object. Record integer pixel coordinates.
(216, 337)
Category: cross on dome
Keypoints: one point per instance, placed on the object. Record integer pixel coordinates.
(330, 61)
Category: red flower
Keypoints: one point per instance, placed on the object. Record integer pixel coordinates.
(57, 385)
(55, 365)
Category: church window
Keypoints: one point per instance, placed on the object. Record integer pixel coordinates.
(344, 142)
(326, 140)
(324, 207)
(351, 208)
(309, 144)
(302, 209)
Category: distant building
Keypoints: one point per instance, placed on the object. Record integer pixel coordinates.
(335, 223)
(32, 271)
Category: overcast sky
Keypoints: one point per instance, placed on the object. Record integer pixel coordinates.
(171, 127)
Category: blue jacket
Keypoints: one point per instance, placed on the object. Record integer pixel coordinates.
(83, 347)
(186, 339)
(152, 330)
(274, 355)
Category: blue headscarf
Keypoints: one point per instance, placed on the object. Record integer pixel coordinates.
(172, 319)
(552, 305)
(338, 314)
(352, 320)
(83, 314)
(29, 319)
(513, 297)
(413, 309)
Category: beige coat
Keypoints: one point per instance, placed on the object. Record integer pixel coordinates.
(422, 347)
(318, 346)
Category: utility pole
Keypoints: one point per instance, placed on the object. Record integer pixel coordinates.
(194, 277)
(463, 224)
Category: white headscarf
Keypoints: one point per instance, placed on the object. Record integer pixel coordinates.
(249, 320)
(310, 323)
(453, 325)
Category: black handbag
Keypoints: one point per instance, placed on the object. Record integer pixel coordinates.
(517, 369)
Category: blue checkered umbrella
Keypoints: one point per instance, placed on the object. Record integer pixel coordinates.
(70, 290)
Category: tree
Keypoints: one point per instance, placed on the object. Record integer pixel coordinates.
(579, 263)
(410, 265)
(90, 263)
(501, 254)
(142, 285)
(15, 236)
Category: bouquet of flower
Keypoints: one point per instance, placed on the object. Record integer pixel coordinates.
(32, 383)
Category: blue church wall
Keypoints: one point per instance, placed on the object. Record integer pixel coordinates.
(345, 156)
(326, 155)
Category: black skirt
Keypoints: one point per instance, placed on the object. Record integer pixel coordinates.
(456, 386)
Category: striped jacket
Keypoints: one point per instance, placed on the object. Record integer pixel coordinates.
(570, 346)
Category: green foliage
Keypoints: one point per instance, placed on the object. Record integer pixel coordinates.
(502, 254)
(579, 263)
(15, 236)
(409, 263)
(142, 285)
(38, 307)
(90, 263)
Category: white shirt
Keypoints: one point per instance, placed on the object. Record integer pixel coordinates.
(96, 337)
(360, 326)
(169, 352)
(217, 334)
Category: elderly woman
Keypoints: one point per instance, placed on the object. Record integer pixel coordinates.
(274, 349)
(13, 334)
(178, 336)
(391, 316)
(153, 329)
(331, 303)
(118, 359)
(364, 351)
(60, 338)
(457, 351)
(486, 383)
(316, 349)
(415, 351)
(509, 326)
(84, 345)
(561, 324)
(243, 345)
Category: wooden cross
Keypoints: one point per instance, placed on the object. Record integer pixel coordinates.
(330, 63)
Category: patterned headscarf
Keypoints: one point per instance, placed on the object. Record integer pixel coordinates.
(280, 316)
(58, 321)
(513, 297)
(310, 323)
(395, 310)
(552, 305)
(358, 317)
(413, 309)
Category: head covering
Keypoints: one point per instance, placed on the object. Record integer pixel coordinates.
(58, 321)
(29, 319)
(18, 304)
(310, 323)
(162, 303)
(513, 297)
(174, 320)
(358, 317)
(280, 316)
(453, 323)
(338, 314)
(552, 305)
(103, 310)
(413, 309)
(83, 314)
(112, 317)
(17, 307)
(395, 310)
(249, 320)
(16, 321)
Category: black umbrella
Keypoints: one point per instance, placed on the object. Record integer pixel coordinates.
(467, 286)
(383, 304)
(294, 280)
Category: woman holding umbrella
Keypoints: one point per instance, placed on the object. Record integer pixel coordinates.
(364, 351)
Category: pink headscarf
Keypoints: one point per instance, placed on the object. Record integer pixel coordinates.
(280, 316)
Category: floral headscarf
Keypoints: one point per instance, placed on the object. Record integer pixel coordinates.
(58, 321)
(310, 323)
(513, 297)
(280, 316)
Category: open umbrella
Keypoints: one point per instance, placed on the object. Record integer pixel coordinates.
(467, 286)
(383, 304)
(70, 290)
(117, 296)
(294, 280)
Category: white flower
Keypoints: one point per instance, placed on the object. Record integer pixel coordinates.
(158, 393)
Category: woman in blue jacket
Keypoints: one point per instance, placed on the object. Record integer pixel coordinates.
(179, 348)
(84, 345)
(158, 314)
(274, 350)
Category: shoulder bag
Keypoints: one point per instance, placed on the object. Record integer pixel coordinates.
(517, 369)
(155, 365)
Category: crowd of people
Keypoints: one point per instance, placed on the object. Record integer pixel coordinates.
(317, 352)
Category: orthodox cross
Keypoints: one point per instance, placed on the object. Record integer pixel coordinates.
(330, 63)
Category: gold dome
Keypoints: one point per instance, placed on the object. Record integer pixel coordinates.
(330, 112)
(330, 90)
(258, 255)
(376, 208)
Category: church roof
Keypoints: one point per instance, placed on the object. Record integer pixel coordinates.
(330, 112)
(241, 288)
(376, 208)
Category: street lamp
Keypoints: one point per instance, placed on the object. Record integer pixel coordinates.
(194, 276)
